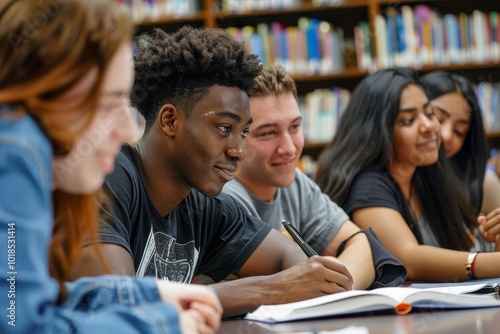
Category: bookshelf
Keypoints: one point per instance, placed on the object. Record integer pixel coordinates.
(238, 15)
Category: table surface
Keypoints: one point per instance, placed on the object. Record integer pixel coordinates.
(480, 321)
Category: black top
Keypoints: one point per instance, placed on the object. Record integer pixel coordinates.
(374, 188)
(377, 188)
(212, 236)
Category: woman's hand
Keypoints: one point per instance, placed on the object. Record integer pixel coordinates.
(490, 227)
(199, 308)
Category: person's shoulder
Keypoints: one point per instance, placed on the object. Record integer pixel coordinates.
(125, 174)
(300, 175)
(22, 130)
(25, 143)
(373, 180)
(303, 178)
(372, 187)
(225, 198)
(126, 156)
(302, 184)
(228, 203)
(223, 203)
(373, 174)
(25, 147)
(125, 162)
(234, 187)
(236, 211)
(221, 200)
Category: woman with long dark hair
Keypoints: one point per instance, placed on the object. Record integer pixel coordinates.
(457, 108)
(387, 169)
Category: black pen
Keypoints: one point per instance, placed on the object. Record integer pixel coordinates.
(298, 239)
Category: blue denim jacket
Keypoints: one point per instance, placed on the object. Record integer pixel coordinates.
(27, 292)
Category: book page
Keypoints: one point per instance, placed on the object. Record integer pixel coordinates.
(472, 286)
(463, 289)
(399, 300)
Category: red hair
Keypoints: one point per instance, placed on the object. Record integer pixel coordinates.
(43, 59)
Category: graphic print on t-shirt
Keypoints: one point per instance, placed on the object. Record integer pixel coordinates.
(165, 259)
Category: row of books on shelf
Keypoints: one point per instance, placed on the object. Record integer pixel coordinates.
(311, 47)
(244, 6)
(420, 36)
(489, 101)
(321, 110)
(410, 37)
(153, 10)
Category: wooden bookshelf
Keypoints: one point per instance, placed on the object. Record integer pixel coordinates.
(305, 8)
(346, 15)
(166, 20)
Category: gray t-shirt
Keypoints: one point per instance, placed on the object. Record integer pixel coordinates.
(303, 204)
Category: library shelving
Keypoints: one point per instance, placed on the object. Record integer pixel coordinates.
(350, 39)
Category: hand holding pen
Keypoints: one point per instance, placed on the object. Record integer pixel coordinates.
(325, 273)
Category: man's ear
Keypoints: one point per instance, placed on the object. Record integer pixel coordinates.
(168, 119)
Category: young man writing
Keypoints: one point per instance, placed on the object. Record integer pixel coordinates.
(268, 183)
(166, 218)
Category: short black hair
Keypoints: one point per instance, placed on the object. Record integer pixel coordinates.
(178, 68)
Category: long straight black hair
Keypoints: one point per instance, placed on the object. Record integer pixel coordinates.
(470, 161)
(364, 140)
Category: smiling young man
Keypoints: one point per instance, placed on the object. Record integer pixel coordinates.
(272, 188)
(167, 216)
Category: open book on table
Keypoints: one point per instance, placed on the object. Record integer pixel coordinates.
(400, 300)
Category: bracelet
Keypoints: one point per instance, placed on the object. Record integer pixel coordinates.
(469, 265)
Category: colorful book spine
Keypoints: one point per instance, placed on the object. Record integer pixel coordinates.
(383, 56)
(322, 109)
(267, 50)
(494, 46)
(313, 46)
(453, 38)
(410, 36)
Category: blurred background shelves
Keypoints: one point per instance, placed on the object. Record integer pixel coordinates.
(330, 45)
